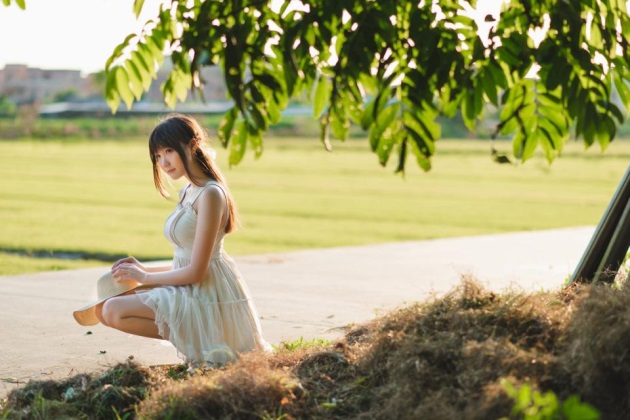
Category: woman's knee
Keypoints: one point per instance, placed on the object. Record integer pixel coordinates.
(109, 313)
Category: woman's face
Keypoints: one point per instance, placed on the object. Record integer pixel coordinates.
(169, 161)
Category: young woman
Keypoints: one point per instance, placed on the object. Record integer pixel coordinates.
(200, 304)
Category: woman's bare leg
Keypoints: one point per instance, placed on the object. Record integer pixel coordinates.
(128, 314)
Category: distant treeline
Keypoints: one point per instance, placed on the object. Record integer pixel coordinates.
(34, 127)
(133, 127)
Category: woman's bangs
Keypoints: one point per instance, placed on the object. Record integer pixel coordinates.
(159, 139)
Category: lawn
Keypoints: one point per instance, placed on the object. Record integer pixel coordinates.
(67, 204)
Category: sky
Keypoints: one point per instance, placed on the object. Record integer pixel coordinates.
(78, 34)
(68, 34)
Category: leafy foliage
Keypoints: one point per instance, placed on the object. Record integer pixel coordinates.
(20, 3)
(391, 67)
(301, 343)
(533, 405)
(7, 108)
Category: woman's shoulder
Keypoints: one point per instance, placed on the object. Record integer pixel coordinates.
(211, 201)
(212, 190)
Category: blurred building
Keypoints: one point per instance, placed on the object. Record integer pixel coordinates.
(27, 85)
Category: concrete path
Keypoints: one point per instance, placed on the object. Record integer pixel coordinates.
(298, 294)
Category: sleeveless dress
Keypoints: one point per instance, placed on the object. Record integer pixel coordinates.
(208, 322)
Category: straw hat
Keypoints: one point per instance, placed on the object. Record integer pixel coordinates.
(106, 287)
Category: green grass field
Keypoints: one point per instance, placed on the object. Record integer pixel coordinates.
(96, 198)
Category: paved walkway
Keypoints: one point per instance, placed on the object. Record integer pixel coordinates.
(307, 293)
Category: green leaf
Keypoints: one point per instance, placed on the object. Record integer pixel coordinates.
(557, 74)
(256, 141)
(420, 147)
(572, 408)
(269, 81)
(322, 93)
(518, 143)
(255, 117)
(168, 91)
(324, 136)
(556, 134)
(427, 120)
(257, 95)
(135, 80)
(596, 35)
(113, 101)
(111, 94)
(339, 124)
(468, 109)
(151, 57)
(176, 87)
(233, 74)
(490, 88)
(531, 143)
(524, 396)
(402, 157)
(478, 98)
(139, 66)
(381, 100)
(498, 74)
(590, 121)
(383, 121)
(183, 82)
(555, 119)
(274, 112)
(392, 136)
(605, 132)
(423, 161)
(368, 115)
(155, 45)
(139, 63)
(622, 90)
(224, 131)
(239, 144)
(615, 111)
(118, 51)
(548, 144)
(137, 7)
(291, 75)
(122, 86)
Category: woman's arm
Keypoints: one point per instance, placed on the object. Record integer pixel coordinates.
(134, 262)
(211, 211)
(158, 268)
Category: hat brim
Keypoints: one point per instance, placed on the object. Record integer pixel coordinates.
(86, 316)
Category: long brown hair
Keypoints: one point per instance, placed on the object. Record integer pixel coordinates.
(177, 131)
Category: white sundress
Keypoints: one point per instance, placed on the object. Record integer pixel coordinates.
(211, 321)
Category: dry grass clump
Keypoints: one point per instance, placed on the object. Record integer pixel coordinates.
(114, 392)
(443, 359)
(598, 350)
(245, 390)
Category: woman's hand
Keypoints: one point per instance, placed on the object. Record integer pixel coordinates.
(129, 271)
(129, 260)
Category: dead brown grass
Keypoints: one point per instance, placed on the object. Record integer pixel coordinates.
(442, 359)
